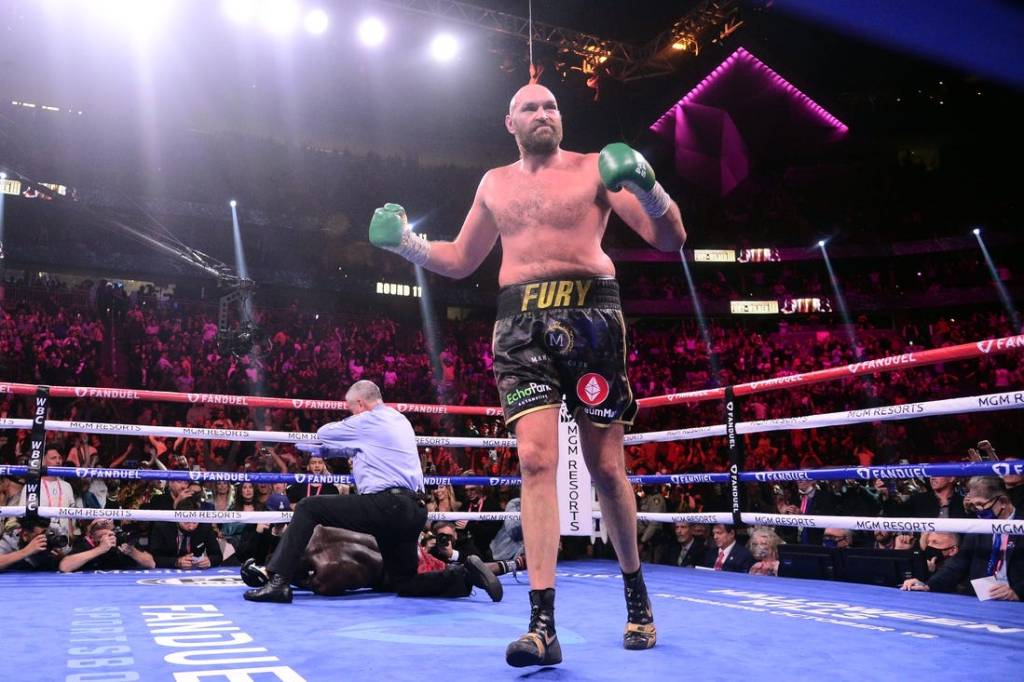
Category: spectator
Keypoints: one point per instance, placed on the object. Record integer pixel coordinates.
(813, 500)
(981, 556)
(508, 542)
(840, 538)
(477, 535)
(316, 467)
(55, 492)
(884, 540)
(98, 550)
(443, 499)
(176, 492)
(25, 546)
(448, 545)
(727, 554)
(223, 496)
(197, 493)
(10, 490)
(245, 501)
(939, 548)
(687, 550)
(1014, 482)
(941, 501)
(185, 544)
(648, 537)
(85, 451)
(764, 547)
(258, 540)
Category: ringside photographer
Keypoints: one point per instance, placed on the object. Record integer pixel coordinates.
(104, 547)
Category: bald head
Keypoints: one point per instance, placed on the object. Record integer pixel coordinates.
(528, 93)
(535, 121)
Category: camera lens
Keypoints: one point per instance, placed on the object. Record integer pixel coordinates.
(55, 539)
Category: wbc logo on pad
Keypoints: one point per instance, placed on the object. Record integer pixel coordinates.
(592, 389)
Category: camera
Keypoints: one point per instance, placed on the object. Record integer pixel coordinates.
(124, 536)
(443, 539)
(55, 539)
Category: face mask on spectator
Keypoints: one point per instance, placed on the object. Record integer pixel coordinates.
(936, 554)
(983, 511)
(988, 512)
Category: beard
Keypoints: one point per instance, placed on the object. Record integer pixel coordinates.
(540, 141)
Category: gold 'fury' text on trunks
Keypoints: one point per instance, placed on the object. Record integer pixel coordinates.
(555, 294)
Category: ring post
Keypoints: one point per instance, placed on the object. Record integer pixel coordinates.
(35, 459)
(732, 410)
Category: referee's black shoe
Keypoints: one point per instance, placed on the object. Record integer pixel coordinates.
(277, 590)
(481, 576)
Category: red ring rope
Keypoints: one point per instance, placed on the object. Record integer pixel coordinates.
(964, 351)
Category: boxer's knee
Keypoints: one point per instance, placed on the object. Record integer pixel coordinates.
(538, 455)
(537, 443)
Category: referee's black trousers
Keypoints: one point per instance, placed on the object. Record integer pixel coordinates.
(394, 519)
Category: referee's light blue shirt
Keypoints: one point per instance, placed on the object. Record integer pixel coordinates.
(382, 446)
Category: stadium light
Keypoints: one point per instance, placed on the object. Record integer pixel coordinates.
(976, 231)
(279, 16)
(139, 18)
(232, 203)
(239, 11)
(372, 31)
(821, 243)
(316, 22)
(444, 47)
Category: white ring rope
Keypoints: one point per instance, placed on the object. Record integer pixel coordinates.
(989, 402)
(857, 523)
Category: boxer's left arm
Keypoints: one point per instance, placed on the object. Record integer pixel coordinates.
(645, 206)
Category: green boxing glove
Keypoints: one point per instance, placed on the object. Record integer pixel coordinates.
(389, 229)
(621, 166)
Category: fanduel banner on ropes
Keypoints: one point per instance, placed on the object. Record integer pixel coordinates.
(575, 499)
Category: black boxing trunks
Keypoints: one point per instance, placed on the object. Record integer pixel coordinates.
(563, 337)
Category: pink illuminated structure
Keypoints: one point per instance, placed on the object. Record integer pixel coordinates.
(742, 112)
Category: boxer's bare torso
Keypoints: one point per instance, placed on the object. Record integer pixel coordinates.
(551, 221)
(550, 208)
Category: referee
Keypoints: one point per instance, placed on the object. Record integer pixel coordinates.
(386, 466)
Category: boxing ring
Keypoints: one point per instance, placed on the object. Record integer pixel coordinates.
(711, 625)
(194, 625)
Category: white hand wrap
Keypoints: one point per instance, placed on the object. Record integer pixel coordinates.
(413, 248)
(656, 202)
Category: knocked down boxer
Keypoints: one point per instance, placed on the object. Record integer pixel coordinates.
(337, 561)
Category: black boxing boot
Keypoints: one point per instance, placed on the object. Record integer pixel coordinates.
(253, 575)
(539, 646)
(480, 576)
(640, 631)
(276, 590)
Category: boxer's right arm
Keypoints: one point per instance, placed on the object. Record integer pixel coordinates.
(456, 259)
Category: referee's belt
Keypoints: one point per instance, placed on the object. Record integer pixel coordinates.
(416, 495)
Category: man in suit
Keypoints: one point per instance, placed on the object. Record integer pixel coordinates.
(1000, 556)
(814, 500)
(687, 550)
(185, 544)
(479, 533)
(727, 554)
(942, 501)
